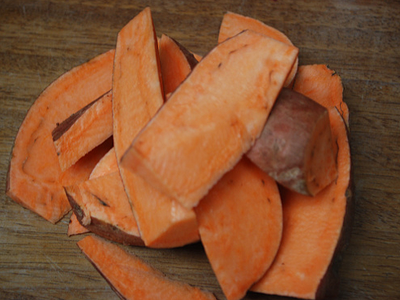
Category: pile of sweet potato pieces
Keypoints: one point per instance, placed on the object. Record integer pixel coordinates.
(152, 145)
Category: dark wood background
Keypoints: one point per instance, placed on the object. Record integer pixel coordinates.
(40, 40)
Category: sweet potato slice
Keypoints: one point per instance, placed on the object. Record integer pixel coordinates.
(83, 131)
(108, 164)
(212, 118)
(101, 205)
(315, 229)
(323, 85)
(132, 278)
(35, 179)
(295, 147)
(74, 227)
(137, 96)
(240, 224)
(233, 24)
(176, 63)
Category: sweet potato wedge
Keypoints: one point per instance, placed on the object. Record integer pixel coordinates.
(101, 205)
(108, 164)
(83, 131)
(212, 118)
(176, 63)
(240, 224)
(323, 85)
(233, 24)
(137, 96)
(315, 229)
(35, 179)
(132, 278)
(74, 227)
(295, 147)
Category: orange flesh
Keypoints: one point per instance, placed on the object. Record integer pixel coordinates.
(35, 179)
(74, 227)
(212, 118)
(104, 199)
(233, 24)
(174, 65)
(132, 278)
(323, 85)
(240, 224)
(137, 96)
(312, 226)
(92, 128)
(108, 164)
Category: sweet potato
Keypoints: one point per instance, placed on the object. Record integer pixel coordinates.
(240, 224)
(315, 229)
(108, 164)
(233, 24)
(83, 131)
(295, 147)
(323, 85)
(74, 227)
(132, 278)
(176, 63)
(212, 118)
(35, 179)
(101, 205)
(137, 96)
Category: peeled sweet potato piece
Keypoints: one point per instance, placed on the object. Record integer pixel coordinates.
(176, 63)
(35, 179)
(74, 227)
(132, 278)
(101, 205)
(212, 118)
(240, 224)
(233, 24)
(295, 147)
(315, 229)
(323, 85)
(83, 131)
(108, 164)
(137, 96)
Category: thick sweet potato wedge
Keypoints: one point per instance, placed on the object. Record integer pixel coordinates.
(315, 229)
(233, 24)
(295, 147)
(131, 278)
(176, 63)
(137, 96)
(83, 131)
(240, 224)
(212, 118)
(35, 179)
(101, 205)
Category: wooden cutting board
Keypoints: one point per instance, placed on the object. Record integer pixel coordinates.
(40, 40)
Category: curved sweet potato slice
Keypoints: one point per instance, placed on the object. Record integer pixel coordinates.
(132, 278)
(83, 131)
(315, 229)
(176, 63)
(35, 179)
(233, 24)
(212, 118)
(101, 205)
(323, 85)
(240, 224)
(137, 96)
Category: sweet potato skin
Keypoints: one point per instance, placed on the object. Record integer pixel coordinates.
(295, 147)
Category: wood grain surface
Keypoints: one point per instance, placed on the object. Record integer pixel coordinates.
(40, 40)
